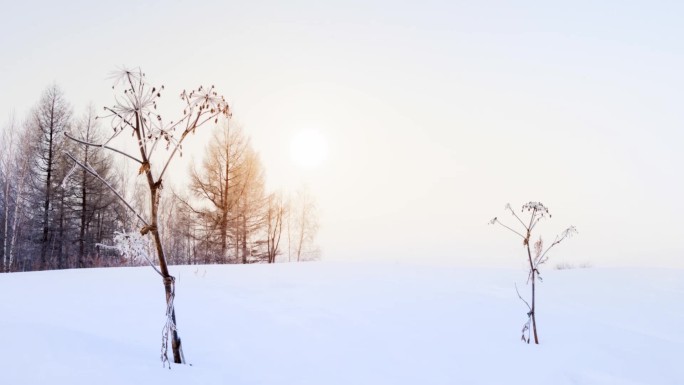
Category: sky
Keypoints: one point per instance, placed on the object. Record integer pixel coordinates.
(436, 114)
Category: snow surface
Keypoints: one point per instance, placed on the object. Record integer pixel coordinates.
(335, 323)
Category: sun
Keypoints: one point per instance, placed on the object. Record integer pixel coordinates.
(309, 149)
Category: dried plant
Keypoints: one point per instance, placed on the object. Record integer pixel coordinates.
(536, 212)
(135, 112)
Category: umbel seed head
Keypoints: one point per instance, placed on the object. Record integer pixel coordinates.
(537, 208)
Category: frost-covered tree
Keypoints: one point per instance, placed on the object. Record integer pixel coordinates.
(154, 143)
(177, 232)
(14, 182)
(302, 227)
(536, 212)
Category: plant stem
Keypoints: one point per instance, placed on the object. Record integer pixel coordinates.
(534, 278)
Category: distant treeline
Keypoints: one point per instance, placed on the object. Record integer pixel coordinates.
(56, 215)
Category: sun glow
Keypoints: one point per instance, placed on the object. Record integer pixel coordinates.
(309, 149)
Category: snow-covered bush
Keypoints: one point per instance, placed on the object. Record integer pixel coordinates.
(135, 248)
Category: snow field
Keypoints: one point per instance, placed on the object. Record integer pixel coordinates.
(343, 323)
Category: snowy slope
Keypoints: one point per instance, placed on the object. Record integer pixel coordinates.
(327, 323)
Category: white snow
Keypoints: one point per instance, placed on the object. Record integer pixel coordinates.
(336, 323)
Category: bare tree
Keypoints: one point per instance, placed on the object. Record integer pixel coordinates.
(536, 211)
(94, 204)
(7, 172)
(249, 219)
(50, 118)
(177, 232)
(302, 226)
(218, 186)
(288, 227)
(14, 169)
(229, 195)
(22, 161)
(135, 112)
(275, 214)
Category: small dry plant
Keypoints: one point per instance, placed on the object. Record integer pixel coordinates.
(536, 254)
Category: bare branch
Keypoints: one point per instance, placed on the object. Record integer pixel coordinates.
(186, 203)
(495, 220)
(521, 298)
(96, 175)
(102, 146)
(509, 208)
(567, 233)
(190, 128)
(118, 115)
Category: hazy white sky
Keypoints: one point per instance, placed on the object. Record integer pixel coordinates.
(437, 113)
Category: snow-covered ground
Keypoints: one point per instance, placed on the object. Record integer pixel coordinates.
(336, 323)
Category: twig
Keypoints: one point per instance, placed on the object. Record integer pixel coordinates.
(499, 222)
(521, 298)
(96, 175)
(102, 146)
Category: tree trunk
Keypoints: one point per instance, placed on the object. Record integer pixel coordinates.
(224, 206)
(5, 251)
(244, 239)
(99, 230)
(46, 208)
(84, 192)
(61, 254)
(17, 212)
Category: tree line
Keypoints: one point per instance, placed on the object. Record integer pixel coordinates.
(225, 215)
(56, 215)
